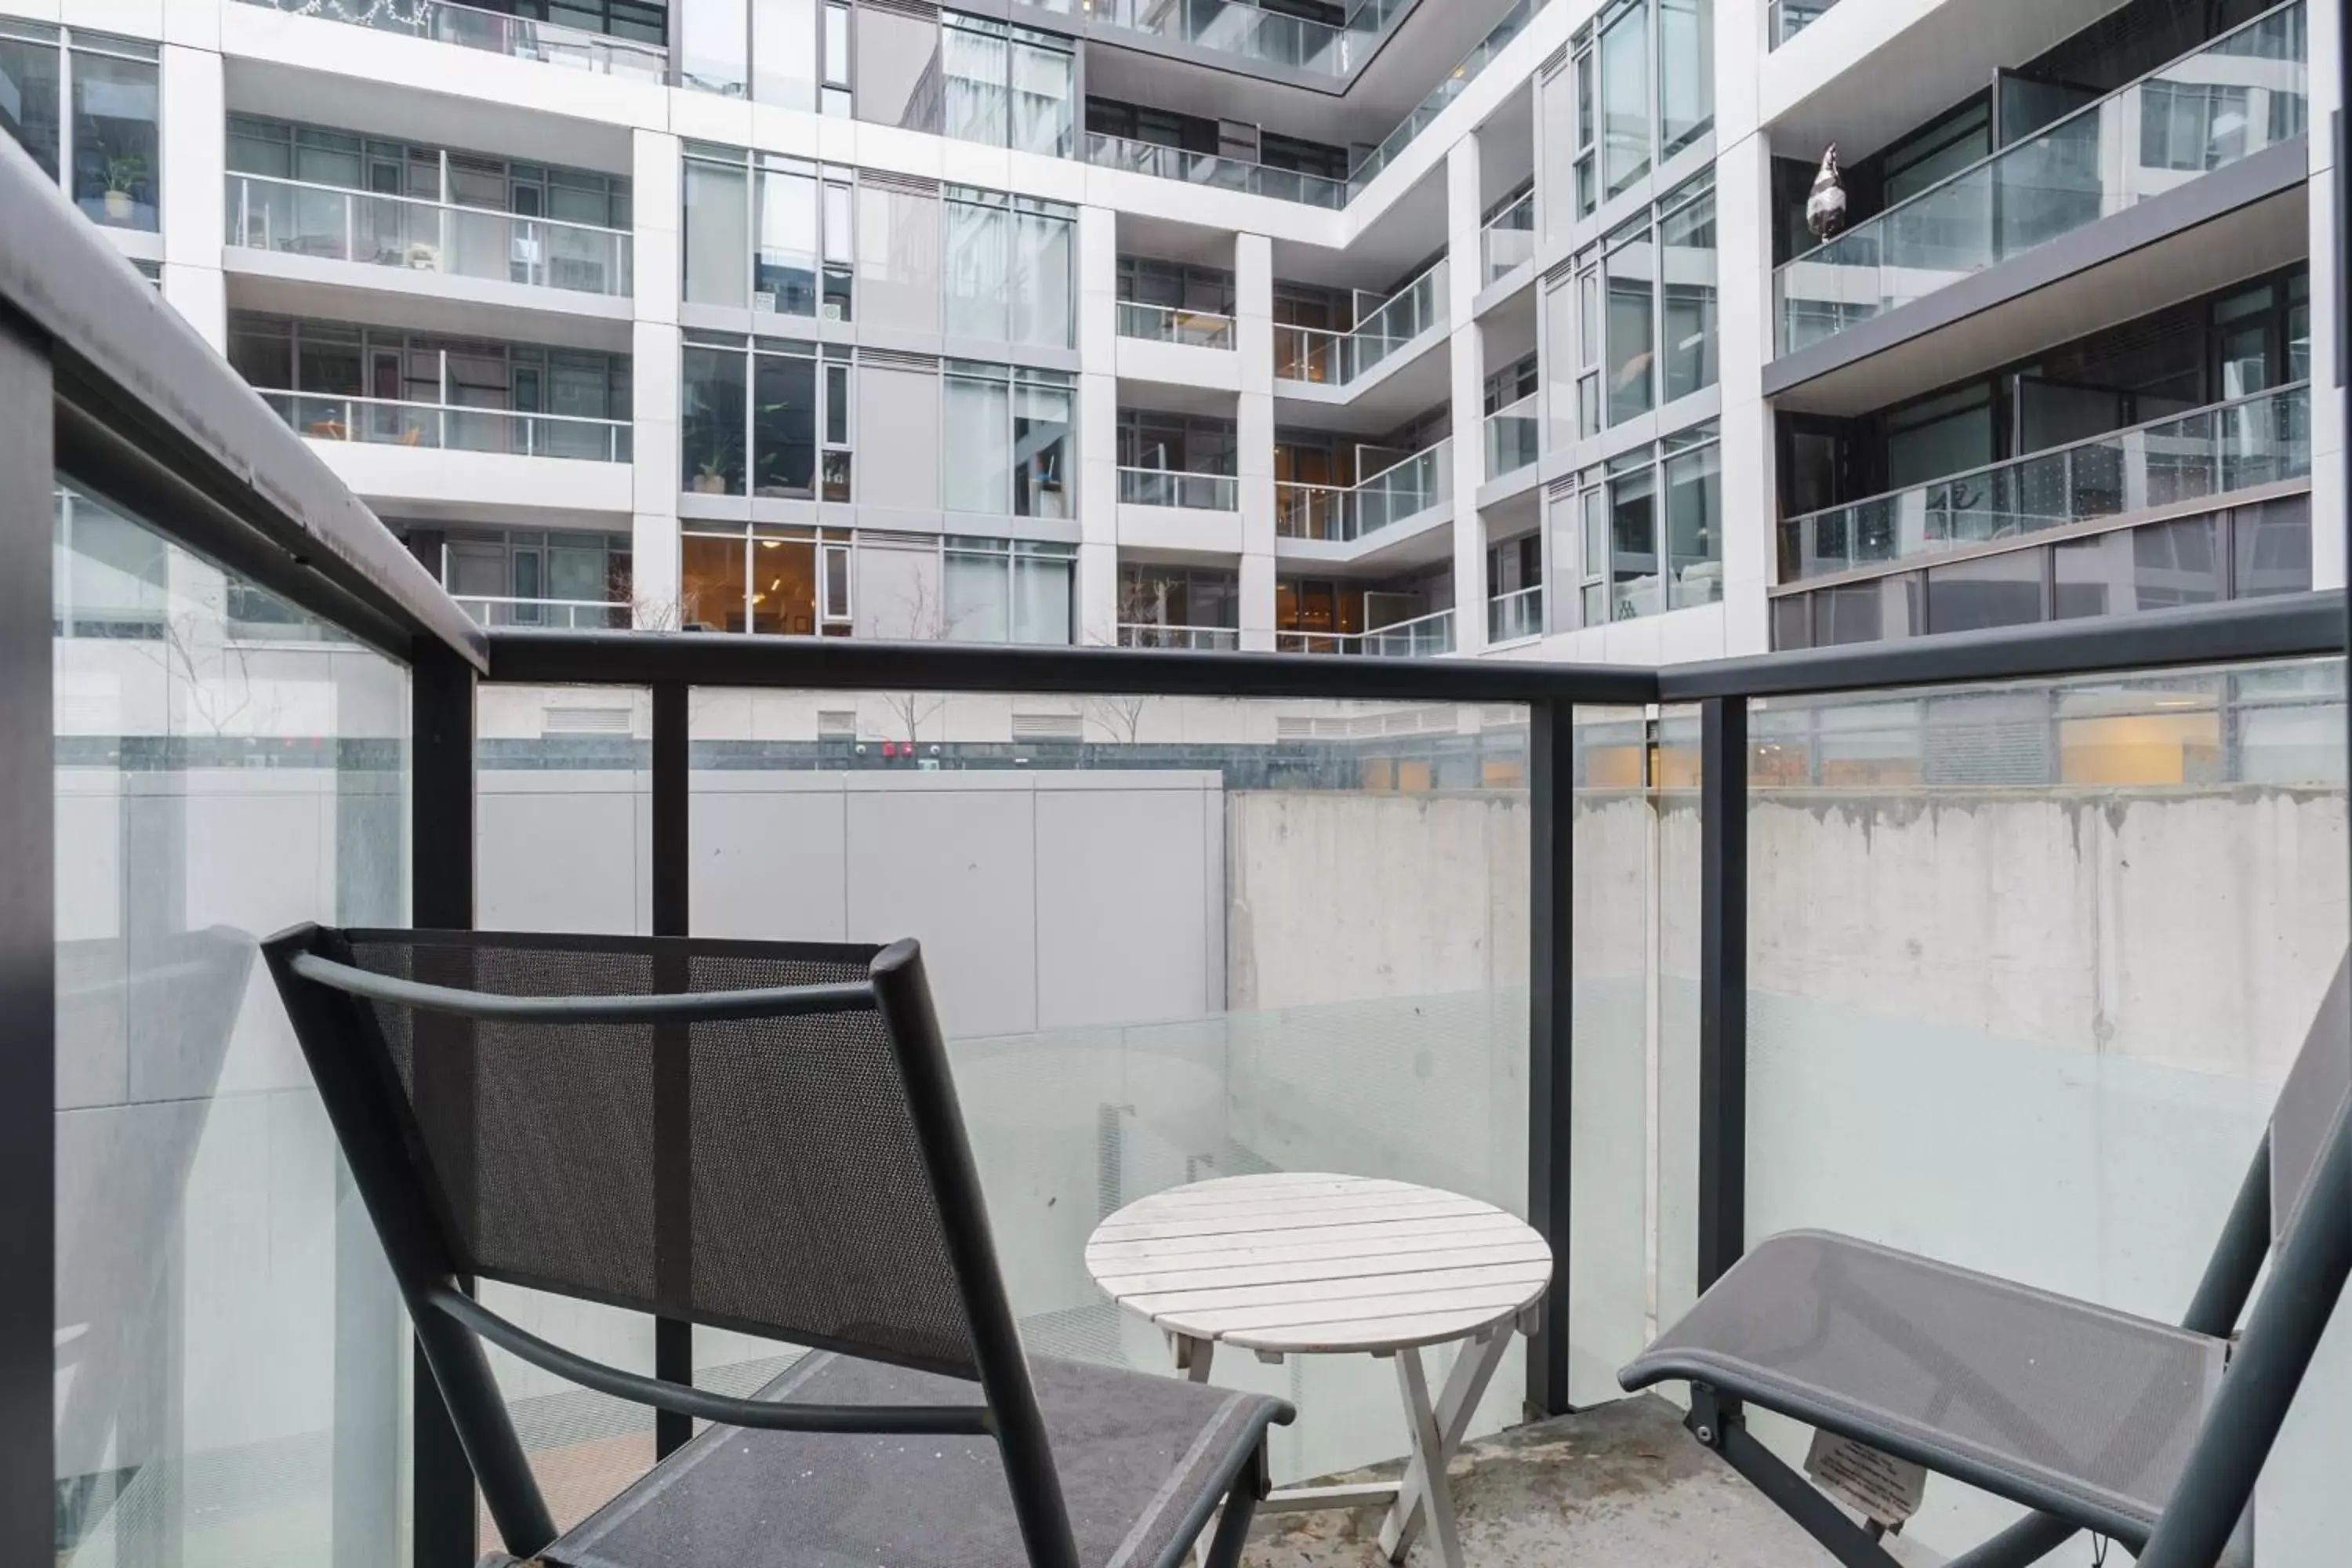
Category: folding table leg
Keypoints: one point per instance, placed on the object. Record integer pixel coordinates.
(1474, 1369)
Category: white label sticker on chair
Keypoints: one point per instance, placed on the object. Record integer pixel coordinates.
(1880, 1486)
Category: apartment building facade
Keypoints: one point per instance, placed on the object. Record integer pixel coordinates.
(1415, 329)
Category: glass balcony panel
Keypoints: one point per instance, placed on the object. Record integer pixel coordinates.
(495, 32)
(1509, 241)
(1175, 488)
(2003, 1091)
(224, 1321)
(1170, 324)
(2207, 453)
(1516, 616)
(1514, 437)
(427, 236)
(1312, 512)
(1448, 89)
(2241, 93)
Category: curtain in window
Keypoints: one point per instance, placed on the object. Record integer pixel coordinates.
(784, 264)
(974, 471)
(718, 234)
(1042, 93)
(975, 65)
(1041, 437)
(977, 286)
(1042, 249)
(1041, 597)
(974, 590)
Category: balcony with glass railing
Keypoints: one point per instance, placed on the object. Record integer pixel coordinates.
(1516, 616)
(440, 426)
(1787, 18)
(1447, 90)
(2245, 91)
(556, 615)
(1190, 639)
(1167, 162)
(1266, 37)
(1175, 324)
(2052, 914)
(1514, 437)
(1508, 240)
(1336, 359)
(1424, 636)
(2208, 455)
(1334, 514)
(1181, 489)
(328, 223)
(499, 34)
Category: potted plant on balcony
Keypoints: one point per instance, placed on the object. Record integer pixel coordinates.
(122, 174)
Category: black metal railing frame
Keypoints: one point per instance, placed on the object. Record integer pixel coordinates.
(101, 380)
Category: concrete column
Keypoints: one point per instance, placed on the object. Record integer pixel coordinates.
(653, 381)
(192, 139)
(1469, 382)
(1744, 320)
(1254, 340)
(1098, 608)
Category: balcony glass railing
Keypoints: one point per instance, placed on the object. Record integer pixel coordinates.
(444, 426)
(2205, 455)
(2238, 95)
(1172, 324)
(559, 615)
(1443, 94)
(1340, 514)
(1508, 240)
(1516, 615)
(336, 225)
(1514, 437)
(1335, 359)
(1196, 639)
(1790, 18)
(500, 35)
(1208, 169)
(1424, 636)
(1235, 27)
(1175, 487)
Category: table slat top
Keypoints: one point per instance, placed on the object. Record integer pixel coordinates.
(1306, 1262)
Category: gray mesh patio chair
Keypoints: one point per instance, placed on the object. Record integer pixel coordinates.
(2097, 1420)
(756, 1136)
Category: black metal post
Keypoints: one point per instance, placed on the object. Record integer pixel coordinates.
(1551, 801)
(28, 959)
(441, 895)
(1722, 986)
(673, 1090)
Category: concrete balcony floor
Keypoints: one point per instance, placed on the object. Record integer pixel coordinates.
(1620, 1486)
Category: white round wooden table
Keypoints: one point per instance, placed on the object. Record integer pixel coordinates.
(1308, 1263)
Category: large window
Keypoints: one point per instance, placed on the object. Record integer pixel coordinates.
(764, 418)
(1627, 118)
(768, 232)
(84, 105)
(1008, 268)
(1630, 324)
(1007, 85)
(1005, 441)
(1646, 529)
(1007, 590)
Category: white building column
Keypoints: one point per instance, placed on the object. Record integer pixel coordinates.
(1097, 619)
(1254, 340)
(2328, 567)
(192, 137)
(1744, 322)
(1469, 382)
(653, 381)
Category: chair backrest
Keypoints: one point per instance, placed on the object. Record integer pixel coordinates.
(2315, 1095)
(759, 1173)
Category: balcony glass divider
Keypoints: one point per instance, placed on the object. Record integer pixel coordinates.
(2245, 91)
(1516, 616)
(1514, 436)
(1336, 359)
(1508, 240)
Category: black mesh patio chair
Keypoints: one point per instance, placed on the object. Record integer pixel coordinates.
(2096, 1420)
(756, 1136)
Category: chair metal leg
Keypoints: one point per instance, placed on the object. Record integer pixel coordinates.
(1233, 1521)
(1798, 1497)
